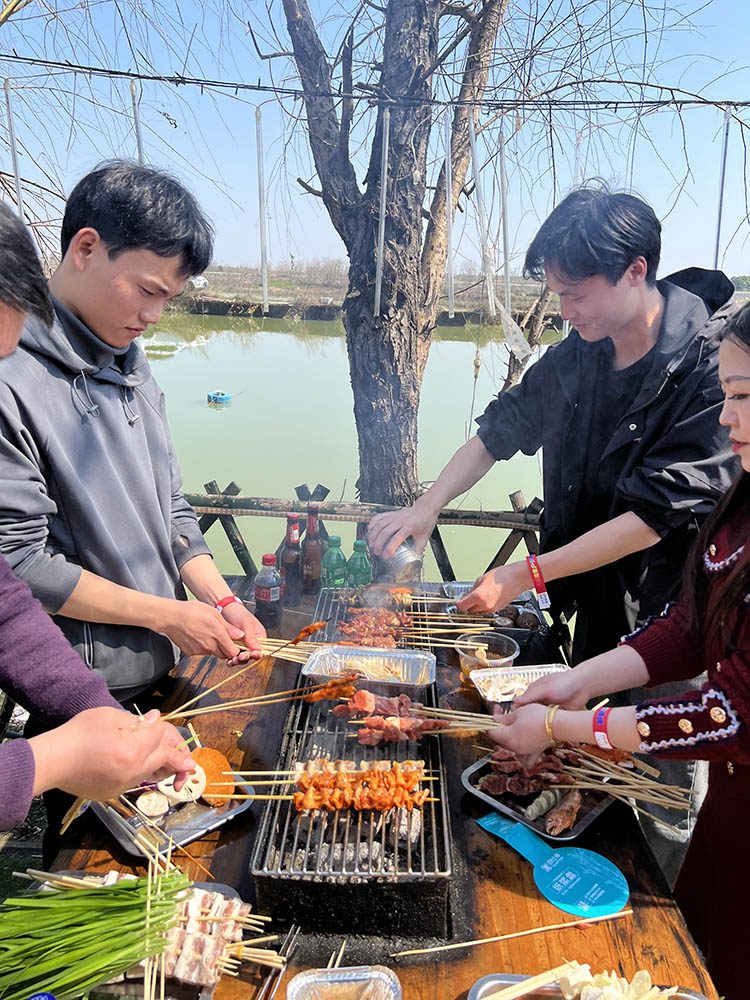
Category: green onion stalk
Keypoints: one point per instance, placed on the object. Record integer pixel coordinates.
(68, 941)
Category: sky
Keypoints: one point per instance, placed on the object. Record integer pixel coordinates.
(66, 124)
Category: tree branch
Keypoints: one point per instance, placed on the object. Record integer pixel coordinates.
(474, 81)
(347, 105)
(458, 10)
(338, 181)
(265, 55)
(310, 190)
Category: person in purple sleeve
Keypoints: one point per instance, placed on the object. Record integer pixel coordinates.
(94, 750)
(708, 629)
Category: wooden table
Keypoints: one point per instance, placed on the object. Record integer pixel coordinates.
(492, 889)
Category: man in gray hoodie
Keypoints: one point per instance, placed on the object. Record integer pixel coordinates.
(92, 514)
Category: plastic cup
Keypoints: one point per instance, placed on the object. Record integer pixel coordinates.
(501, 651)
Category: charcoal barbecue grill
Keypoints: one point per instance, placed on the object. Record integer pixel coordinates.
(366, 872)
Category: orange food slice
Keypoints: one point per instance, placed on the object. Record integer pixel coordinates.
(216, 767)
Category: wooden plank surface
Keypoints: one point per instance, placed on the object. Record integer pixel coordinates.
(493, 891)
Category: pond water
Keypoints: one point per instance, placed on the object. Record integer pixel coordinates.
(291, 421)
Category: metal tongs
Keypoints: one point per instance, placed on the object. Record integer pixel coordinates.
(270, 985)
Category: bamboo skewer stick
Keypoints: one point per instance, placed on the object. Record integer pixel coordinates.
(154, 826)
(179, 711)
(583, 922)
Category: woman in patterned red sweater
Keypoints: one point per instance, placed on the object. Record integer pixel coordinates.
(708, 630)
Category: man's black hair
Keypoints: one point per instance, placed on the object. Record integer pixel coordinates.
(22, 283)
(139, 208)
(594, 231)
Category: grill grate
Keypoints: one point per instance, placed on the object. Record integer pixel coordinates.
(330, 608)
(347, 845)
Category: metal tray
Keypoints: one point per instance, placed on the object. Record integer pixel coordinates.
(594, 804)
(413, 670)
(486, 986)
(484, 676)
(376, 982)
(185, 824)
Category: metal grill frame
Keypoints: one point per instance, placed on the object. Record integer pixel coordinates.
(331, 609)
(312, 732)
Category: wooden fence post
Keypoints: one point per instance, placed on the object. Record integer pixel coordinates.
(232, 531)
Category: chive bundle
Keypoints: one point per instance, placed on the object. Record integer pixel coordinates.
(66, 941)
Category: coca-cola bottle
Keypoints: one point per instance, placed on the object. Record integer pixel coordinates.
(291, 563)
(269, 590)
(312, 557)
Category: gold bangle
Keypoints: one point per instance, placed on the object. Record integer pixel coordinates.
(549, 719)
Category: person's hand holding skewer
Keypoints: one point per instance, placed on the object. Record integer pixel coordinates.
(496, 588)
(100, 753)
(199, 629)
(238, 616)
(523, 731)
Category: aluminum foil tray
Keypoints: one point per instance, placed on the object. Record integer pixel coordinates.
(361, 982)
(410, 670)
(185, 824)
(593, 805)
(489, 681)
(488, 985)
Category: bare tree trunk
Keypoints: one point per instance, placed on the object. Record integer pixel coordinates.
(388, 353)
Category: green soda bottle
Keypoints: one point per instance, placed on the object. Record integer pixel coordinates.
(333, 566)
(359, 567)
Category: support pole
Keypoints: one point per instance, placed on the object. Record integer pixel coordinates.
(261, 207)
(722, 178)
(506, 237)
(576, 175)
(381, 208)
(489, 271)
(449, 214)
(137, 121)
(13, 149)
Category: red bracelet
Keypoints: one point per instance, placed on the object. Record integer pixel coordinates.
(539, 585)
(599, 726)
(232, 599)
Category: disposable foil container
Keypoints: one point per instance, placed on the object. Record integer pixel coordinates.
(500, 685)
(394, 670)
(361, 982)
(488, 985)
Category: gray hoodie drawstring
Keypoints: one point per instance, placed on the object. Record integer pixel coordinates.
(91, 408)
(130, 413)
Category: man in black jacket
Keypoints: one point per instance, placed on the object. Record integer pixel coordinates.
(626, 410)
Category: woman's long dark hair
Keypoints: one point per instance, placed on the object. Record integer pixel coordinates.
(714, 611)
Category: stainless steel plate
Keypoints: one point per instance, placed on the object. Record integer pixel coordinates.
(488, 985)
(183, 823)
(593, 805)
(395, 670)
(375, 982)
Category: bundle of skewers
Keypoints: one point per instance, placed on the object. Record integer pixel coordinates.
(376, 786)
(156, 927)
